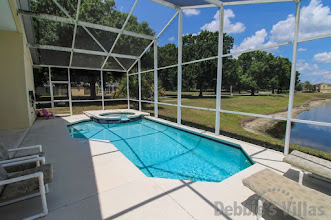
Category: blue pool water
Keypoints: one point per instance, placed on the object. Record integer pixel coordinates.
(166, 152)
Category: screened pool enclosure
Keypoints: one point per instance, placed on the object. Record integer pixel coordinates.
(103, 54)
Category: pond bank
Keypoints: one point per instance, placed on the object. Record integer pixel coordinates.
(262, 125)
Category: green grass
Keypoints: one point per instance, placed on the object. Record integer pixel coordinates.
(230, 123)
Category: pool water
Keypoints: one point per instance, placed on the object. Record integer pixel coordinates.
(166, 152)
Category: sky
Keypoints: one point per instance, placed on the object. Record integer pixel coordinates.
(253, 26)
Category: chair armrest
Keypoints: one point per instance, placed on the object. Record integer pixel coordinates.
(39, 159)
(21, 178)
(26, 148)
(18, 159)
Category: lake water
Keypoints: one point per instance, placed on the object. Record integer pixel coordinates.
(312, 136)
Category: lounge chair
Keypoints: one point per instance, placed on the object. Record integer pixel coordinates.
(288, 195)
(19, 154)
(25, 185)
(46, 113)
(310, 164)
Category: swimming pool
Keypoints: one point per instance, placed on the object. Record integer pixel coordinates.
(162, 151)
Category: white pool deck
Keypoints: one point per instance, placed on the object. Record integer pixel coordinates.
(93, 180)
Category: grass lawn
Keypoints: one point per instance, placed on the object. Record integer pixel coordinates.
(230, 123)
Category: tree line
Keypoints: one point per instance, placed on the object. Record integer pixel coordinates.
(253, 71)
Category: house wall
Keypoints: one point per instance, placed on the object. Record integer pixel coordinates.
(29, 82)
(325, 88)
(77, 91)
(16, 79)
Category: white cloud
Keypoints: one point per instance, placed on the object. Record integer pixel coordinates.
(190, 12)
(312, 73)
(304, 67)
(315, 19)
(283, 30)
(301, 49)
(323, 57)
(255, 41)
(318, 76)
(326, 73)
(171, 38)
(229, 27)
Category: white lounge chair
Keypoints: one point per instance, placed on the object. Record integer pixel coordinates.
(25, 184)
(310, 164)
(287, 195)
(19, 154)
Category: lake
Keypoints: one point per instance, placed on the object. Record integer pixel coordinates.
(312, 136)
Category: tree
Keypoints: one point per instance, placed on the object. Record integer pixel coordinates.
(168, 55)
(262, 70)
(298, 87)
(280, 74)
(147, 87)
(255, 70)
(204, 45)
(231, 75)
(308, 86)
(87, 79)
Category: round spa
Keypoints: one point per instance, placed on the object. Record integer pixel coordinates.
(113, 117)
(121, 115)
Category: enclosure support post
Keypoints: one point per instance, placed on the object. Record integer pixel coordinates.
(293, 80)
(139, 82)
(51, 89)
(127, 89)
(156, 97)
(69, 91)
(219, 70)
(102, 91)
(180, 60)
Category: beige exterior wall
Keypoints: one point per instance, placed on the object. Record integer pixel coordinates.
(324, 88)
(16, 79)
(29, 83)
(77, 91)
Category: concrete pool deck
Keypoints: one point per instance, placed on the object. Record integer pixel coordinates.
(93, 180)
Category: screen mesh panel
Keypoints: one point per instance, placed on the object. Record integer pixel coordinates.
(108, 13)
(127, 63)
(112, 64)
(52, 57)
(105, 38)
(52, 33)
(187, 3)
(131, 45)
(85, 84)
(114, 85)
(85, 41)
(133, 87)
(41, 84)
(87, 60)
(149, 23)
(49, 7)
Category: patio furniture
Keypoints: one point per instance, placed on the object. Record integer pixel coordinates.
(287, 195)
(46, 113)
(25, 185)
(311, 164)
(20, 154)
